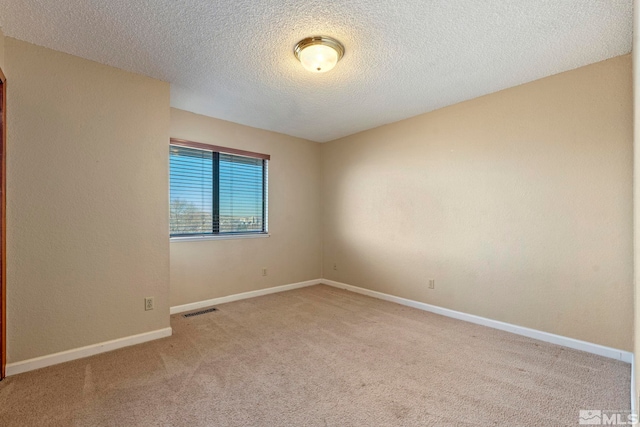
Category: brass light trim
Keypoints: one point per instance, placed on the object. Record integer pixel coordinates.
(324, 40)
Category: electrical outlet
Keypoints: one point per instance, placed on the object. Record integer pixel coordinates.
(432, 284)
(148, 303)
(264, 271)
(335, 267)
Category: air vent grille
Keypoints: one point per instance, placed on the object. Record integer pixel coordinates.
(198, 313)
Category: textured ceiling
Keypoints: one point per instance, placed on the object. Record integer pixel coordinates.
(232, 59)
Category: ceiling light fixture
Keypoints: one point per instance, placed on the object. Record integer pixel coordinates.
(319, 54)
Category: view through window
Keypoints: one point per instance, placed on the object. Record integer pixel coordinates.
(216, 193)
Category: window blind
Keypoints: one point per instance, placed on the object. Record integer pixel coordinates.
(191, 177)
(215, 192)
(241, 194)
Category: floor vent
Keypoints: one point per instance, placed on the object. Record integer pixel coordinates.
(198, 313)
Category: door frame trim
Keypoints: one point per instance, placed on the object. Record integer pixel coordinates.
(3, 225)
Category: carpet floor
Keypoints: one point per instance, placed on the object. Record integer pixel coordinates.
(321, 356)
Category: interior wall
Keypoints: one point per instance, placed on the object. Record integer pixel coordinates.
(518, 204)
(209, 269)
(1, 49)
(87, 227)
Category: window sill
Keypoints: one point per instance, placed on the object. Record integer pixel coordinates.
(222, 237)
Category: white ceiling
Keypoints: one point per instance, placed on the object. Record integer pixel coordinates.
(233, 59)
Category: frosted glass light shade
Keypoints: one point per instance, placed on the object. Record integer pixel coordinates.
(318, 58)
(319, 54)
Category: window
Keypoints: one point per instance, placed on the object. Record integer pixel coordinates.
(216, 191)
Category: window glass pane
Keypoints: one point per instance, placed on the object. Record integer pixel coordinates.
(191, 191)
(241, 194)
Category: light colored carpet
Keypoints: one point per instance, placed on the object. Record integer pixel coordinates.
(320, 356)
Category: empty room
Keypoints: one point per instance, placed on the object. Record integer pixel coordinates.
(302, 213)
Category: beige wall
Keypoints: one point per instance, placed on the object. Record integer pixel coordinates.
(1, 50)
(87, 202)
(214, 268)
(518, 204)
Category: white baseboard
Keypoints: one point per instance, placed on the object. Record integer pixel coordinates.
(78, 353)
(244, 295)
(600, 350)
